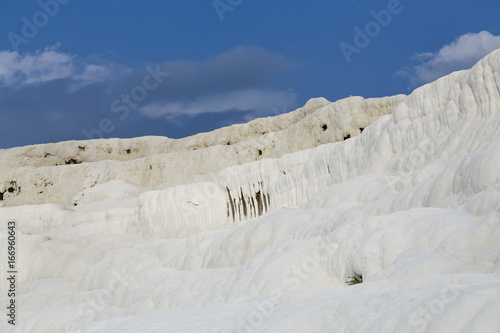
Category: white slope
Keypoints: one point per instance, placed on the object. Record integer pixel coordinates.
(252, 244)
(152, 162)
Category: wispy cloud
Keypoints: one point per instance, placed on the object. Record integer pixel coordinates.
(54, 95)
(461, 54)
(258, 101)
(237, 80)
(46, 65)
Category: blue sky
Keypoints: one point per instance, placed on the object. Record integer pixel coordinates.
(72, 70)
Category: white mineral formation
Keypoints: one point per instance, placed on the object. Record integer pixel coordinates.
(258, 227)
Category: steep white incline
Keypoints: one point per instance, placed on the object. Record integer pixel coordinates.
(28, 175)
(411, 206)
(129, 149)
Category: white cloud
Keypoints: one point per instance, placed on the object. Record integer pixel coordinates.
(91, 74)
(94, 73)
(260, 101)
(46, 65)
(463, 53)
(73, 93)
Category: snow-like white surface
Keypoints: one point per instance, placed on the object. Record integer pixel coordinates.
(197, 235)
(158, 162)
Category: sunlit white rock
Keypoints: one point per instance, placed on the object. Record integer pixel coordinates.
(225, 238)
